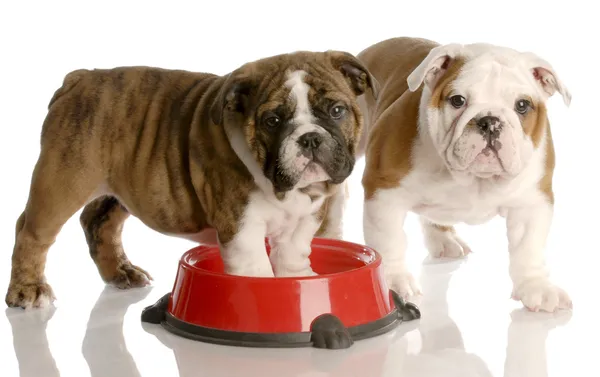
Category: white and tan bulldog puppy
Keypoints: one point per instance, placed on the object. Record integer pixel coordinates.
(259, 152)
(460, 133)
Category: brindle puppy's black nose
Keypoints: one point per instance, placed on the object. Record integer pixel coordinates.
(487, 123)
(310, 141)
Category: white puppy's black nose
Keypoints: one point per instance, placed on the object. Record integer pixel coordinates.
(310, 140)
(487, 123)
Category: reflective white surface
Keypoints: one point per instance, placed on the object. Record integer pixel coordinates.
(470, 326)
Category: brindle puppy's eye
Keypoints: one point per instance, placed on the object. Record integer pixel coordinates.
(337, 111)
(522, 106)
(457, 101)
(272, 121)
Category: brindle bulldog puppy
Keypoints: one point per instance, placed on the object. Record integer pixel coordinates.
(261, 152)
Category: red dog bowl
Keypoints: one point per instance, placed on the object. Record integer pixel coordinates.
(347, 301)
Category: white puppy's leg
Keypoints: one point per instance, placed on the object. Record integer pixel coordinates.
(383, 226)
(442, 241)
(246, 254)
(290, 251)
(527, 230)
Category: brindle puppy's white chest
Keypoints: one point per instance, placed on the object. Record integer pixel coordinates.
(283, 217)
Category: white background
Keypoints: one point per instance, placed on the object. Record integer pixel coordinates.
(42, 41)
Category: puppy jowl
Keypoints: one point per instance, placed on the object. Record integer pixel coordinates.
(263, 151)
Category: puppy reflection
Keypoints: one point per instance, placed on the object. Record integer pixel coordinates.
(442, 351)
(31, 342)
(104, 345)
(527, 335)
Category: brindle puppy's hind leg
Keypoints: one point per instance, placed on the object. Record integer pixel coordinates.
(102, 221)
(58, 189)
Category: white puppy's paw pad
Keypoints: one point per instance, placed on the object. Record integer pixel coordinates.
(446, 244)
(403, 283)
(541, 295)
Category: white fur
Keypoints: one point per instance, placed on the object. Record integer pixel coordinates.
(383, 222)
(289, 224)
(491, 86)
(299, 93)
(528, 227)
(291, 157)
(440, 192)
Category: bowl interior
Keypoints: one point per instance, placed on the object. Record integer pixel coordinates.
(326, 259)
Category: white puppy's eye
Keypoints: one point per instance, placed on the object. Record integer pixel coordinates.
(273, 121)
(458, 101)
(337, 111)
(522, 106)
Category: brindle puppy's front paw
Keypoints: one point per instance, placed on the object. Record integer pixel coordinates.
(128, 276)
(290, 261)
(27, 296)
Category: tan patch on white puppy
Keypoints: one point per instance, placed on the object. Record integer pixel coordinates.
(475, 144)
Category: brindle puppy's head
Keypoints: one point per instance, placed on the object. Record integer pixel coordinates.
(296, 116)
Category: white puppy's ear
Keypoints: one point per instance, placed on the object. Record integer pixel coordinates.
(433, 66)
(546, 77)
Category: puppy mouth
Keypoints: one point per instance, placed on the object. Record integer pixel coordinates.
(313, 169)
(488, 157)
(306, 171)
(310, 173)
(328, 162)
(481, 159)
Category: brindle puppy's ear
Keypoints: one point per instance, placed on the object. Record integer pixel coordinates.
(234, 96)
(355, 72)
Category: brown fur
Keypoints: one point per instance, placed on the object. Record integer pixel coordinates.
(154, 139)
(536, 126)
(443, 87)
(102, 221)
(393, 120)
(393, 123)
(444, 228)
(535, 122)
(545, 183)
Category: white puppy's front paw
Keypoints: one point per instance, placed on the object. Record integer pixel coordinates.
(541, 294)
(445, 244)
(403, 283)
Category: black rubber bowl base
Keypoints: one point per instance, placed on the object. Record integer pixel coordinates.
(327, 330)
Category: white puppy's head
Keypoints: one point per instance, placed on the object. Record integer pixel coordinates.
(485, 106)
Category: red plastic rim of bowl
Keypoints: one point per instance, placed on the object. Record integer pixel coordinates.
(349, 295)
(362, 257)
